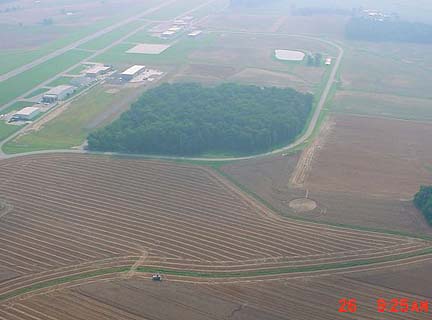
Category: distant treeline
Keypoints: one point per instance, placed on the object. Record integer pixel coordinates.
(189, 119)
(360, 28)
(423, 201)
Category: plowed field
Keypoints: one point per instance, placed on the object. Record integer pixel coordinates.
(75, 217)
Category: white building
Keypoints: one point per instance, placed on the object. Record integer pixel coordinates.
(58, 93)
(167, 34)
(328, 61)
(28, 113)
(195, 33)
(132, 72)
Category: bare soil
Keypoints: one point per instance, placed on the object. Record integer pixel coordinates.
(376, 157)
(139, 299)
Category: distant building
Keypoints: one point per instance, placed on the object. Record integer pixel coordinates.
(132, 72)
(328, 61)
(82, 81)
(167, 34)
(195, 33)
(58, 93)
(28, 113)
(98, 70)
(175, 29)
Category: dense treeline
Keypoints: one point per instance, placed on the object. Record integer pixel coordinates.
(423, 201)
(360, 28)
(189, 119)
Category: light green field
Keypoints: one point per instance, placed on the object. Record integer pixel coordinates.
(174, 10)
(107, 39)
(72, 126)
(77, 70)
(18, 85)
(36, 92)
(60, 81)
(15, 107)
(11, 59)
(6, 130)
(383, 105)
(176, 54)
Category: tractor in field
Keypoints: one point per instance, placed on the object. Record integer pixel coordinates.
(157, 277)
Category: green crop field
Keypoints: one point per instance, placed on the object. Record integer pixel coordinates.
(107, 39)
(72, 126)
(174, 10)
(176, 54)
(36, 92)
(20, 84)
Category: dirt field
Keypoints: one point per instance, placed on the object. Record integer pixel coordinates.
(74, 214)
(136, 299)
(352, 180)
(383, 105)
(375, 157)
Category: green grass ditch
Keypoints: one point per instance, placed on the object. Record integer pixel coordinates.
(214, 275)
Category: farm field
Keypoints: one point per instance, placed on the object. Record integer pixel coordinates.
(69, 125)
(386, 71)
(376, 157)
(382, 105)
(358, 185)
(74, 219)
(138, 298)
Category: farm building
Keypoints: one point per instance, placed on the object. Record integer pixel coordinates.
(195, 33)
(58, 93)
(328, 61)
(97, 71)
(28, 113)
(132, 72)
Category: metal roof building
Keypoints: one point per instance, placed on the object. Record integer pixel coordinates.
(27, 113)
(58, 93)
(131, 72)
(97, 70)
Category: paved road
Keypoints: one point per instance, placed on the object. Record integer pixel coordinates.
(299, 141)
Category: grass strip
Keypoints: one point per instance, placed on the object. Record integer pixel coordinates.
(58, 281)
(198, 274)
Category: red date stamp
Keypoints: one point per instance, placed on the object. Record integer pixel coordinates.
(395, 305)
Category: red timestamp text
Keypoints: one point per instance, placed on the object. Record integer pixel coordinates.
(395, 305)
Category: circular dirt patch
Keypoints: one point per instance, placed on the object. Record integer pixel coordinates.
(302, 205)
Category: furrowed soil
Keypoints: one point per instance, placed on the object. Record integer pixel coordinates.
(363, 172)
(78, 217)
(139, 298)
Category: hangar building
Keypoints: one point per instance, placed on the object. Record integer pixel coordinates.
(28, 113)
(132, 72)
(58, 93)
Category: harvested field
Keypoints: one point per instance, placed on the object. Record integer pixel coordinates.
(383, 105)
(278, 181)
(136, 299)
(75, 214)
(375, 157)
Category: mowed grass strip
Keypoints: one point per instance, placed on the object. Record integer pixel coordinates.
(71, 127)
(110, 37)
(6, 130)
(214, 275)
(20, 84)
